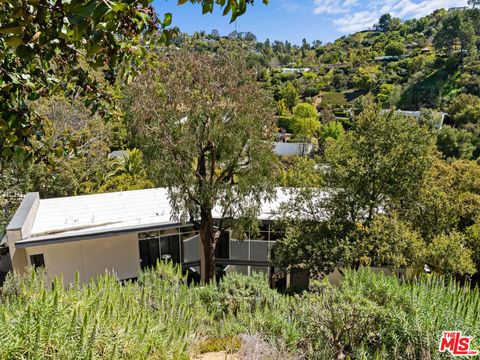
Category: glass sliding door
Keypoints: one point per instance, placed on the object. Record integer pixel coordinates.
(159, 245)
(170, 248)
(149, 252)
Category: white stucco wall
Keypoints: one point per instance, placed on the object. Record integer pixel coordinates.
(119, 254)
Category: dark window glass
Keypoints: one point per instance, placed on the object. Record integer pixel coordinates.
(221, 250)
(187, 229)
(170, 248)
(37, 260)
(276, 235)
(149, 252)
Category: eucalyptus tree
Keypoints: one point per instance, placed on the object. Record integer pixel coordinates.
(206, 129)
(72, 46)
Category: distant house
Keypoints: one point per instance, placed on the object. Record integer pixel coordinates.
(389, 58)
(416, 115)
(281, 148)
(425, 49)
(295, 70)
(457, 8)
(292, 149)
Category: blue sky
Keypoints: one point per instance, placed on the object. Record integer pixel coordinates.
(294, 20)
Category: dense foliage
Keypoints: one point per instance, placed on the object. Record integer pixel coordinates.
(160, 316)
(381, 188)
(205, 129)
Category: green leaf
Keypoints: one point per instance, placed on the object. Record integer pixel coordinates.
(14, 41)
(118, 6)
(58, 152)
(207, 7)
(227, 9)
(142, 16)
(33, 96)
(181, 2)
(99, 12)
(75, 19)
(12, 138)
(85, 10)
(12, 28)
(167, 20)
(25, 52)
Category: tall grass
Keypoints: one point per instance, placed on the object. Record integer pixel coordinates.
(411, 315)
(156, 318)
(161, 317)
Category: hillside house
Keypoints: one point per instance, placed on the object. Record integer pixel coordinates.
(125, 232)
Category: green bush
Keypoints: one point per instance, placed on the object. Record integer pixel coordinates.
(394, 49)
(286, 122)
(159, 316)
(311, 91)
(336, 322)
(236, 292)
(415, 313)
(102, 319)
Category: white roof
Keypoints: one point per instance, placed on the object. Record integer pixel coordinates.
(106, 211)
(117, 211)
(291, 149)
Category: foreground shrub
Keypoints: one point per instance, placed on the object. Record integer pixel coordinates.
(416, 312)
(335, 322)
(247, 305)
(369, 316)
(104, 319)
(237, 291)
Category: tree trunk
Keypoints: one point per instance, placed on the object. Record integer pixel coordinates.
(208, 240)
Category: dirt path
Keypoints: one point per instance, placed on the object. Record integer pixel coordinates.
(221, 355)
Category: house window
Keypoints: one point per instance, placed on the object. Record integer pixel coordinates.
(37, 260)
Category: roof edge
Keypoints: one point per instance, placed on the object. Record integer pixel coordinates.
(98, 234)
(23, 218)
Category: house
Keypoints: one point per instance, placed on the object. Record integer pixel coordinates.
(125, 232)
(416, 115)
(457, 8)
(281, 148)
(295, 70)
(389, 58)
(292, 149)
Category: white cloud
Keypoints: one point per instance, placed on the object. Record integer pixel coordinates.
(330, 6)
(354, 15)
(355, 22)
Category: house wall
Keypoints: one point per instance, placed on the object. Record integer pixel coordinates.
(118, 254)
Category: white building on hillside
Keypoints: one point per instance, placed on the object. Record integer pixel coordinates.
(124, 232)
